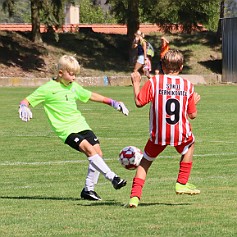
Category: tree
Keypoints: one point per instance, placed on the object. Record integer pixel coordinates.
(35, 21)
(127, 12)
(9, 6)
(188, 13)
(47, 11)
(22, 15)
(185, 12)
(219, 29)
(133, 19)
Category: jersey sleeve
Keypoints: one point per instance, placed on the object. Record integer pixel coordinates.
(82, 94)
(37, 97)
(191, 105)
(146, 93)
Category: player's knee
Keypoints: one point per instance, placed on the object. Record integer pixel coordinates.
(100, 153)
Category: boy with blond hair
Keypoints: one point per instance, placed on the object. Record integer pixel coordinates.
(172, 101)
(59, 97)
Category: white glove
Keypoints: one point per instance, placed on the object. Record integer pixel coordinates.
(24, 113)
(119, 106)
(123, 108)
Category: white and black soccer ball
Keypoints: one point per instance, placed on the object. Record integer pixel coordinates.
(130, 157)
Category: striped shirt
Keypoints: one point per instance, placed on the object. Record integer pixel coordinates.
(171, 100)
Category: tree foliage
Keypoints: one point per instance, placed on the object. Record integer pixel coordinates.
(16, 12)
(185, 12)
(8, 5)
(230, 8)
(130, 12)
(90, 13)
(168, 11)
(49, 12)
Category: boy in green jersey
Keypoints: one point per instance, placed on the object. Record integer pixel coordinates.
(59, 97)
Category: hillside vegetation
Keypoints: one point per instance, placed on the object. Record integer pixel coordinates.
(100, 54)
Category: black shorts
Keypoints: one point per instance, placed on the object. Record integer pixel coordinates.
(74, 139)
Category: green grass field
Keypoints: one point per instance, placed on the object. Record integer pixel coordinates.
(41, 178)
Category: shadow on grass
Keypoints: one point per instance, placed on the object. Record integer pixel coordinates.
(198, 38)
(163, 204)
(96, 51)
(114, 203)
(41, 198)
(17, 50)
(100, 203)
(214, 65)
(194, 41)
(91, 203)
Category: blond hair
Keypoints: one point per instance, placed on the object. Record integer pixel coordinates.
(172, 61)
(68, 63)
(139, 33)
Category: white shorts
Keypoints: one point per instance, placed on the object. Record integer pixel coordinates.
(141, 59)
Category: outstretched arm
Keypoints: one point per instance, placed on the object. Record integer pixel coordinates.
(97, 97)
(118, 105)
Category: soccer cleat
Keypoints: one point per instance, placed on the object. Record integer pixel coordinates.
(90, 195)
(133, 202)
(187, 188)
(118, 182)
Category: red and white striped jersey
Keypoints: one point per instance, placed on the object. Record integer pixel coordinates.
(171, 100)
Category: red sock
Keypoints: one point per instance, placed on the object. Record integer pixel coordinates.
(184, 172)
(137, 187)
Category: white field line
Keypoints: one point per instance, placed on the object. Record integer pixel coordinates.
(6, 163)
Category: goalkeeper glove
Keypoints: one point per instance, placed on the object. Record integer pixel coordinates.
(24, 113)
(120, 107)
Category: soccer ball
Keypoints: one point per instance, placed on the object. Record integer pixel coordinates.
(130, 157)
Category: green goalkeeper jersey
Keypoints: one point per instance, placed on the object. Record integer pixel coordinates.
(60, 106)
